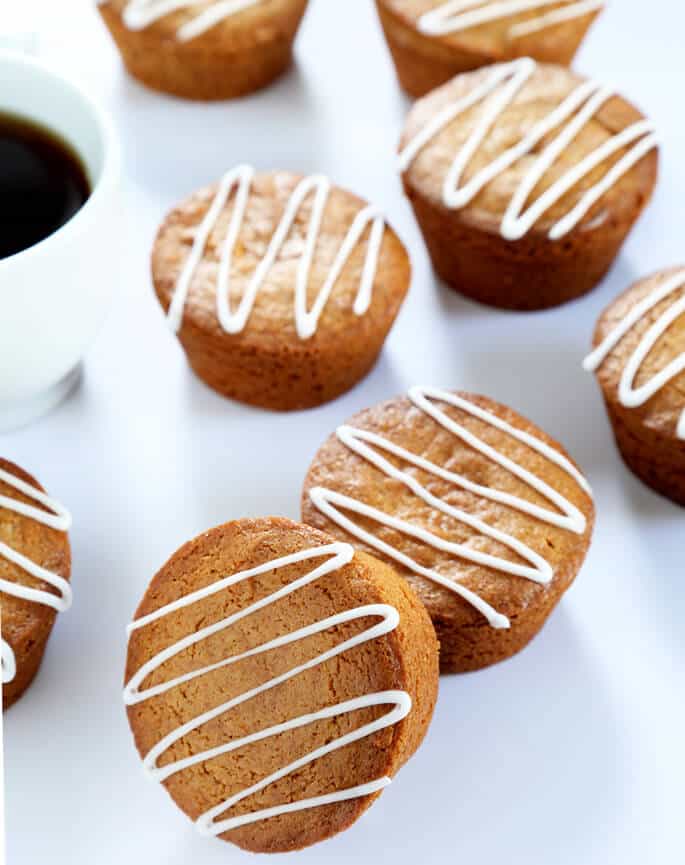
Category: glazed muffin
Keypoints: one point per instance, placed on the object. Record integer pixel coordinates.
(35, 565)
(276, 682)
(484, 514)
(431, 41)
(282, 288)
(525, 180)
(204, 49)
(639, 359)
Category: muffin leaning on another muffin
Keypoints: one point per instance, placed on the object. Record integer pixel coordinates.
(639, 359)
(35, 564)
(484, 515)
(277, 681)
(525, 180)
(282, 288)
(431, 41)
(211, 49)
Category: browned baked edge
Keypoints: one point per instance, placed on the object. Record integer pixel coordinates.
(533, 273)
(657, 460)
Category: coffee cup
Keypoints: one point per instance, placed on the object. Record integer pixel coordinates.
(54, 294)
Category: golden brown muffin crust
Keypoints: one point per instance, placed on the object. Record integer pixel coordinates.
(405, 659)
(425, 61)
(547, 87)
(243, 30)
(272, 320)
(338, 468)
(662, 412)
(26, 626)
(495, 39)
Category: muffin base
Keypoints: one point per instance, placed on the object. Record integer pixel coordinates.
(468, 647)
(659, 462)
(282, 380)
(528, 274)
(191, 71)
(29, 656)
(466, 650)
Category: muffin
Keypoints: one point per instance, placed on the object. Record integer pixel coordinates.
(432, 41)
(525, 180)
(35, 565)
(204, 49)
(639, 359)
(276, 682)
(484, 514)
(282, 288)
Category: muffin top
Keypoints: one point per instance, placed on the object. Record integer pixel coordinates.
(269, 666)
(495, 28)
(34, 556)
(639, 352)
(213, 20)
(525, 147)
(281, 259)
(483, 513)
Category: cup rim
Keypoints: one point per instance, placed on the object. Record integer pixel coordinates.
(111, 157)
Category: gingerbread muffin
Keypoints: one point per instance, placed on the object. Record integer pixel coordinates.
(525, 180)
(431, 41)
(35, 565)
(485, 516)
(639, 359)
(204, 49)
(282, 288)
(277, 681)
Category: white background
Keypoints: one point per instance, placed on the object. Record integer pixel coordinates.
(571, 753)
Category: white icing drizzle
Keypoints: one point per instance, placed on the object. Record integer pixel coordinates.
(9, 665)
(367, 445)
(498, 91)
(628, 395)
(139, 14)
(57, 518)
(340, 554)
(306, 321)
(456, 15)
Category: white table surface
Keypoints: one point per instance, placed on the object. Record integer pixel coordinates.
(569, 754)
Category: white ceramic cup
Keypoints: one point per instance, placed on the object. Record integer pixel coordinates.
(53, 296)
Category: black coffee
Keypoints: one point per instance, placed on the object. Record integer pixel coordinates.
(42, 184)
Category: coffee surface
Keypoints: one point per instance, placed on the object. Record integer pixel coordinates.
(42, 183)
